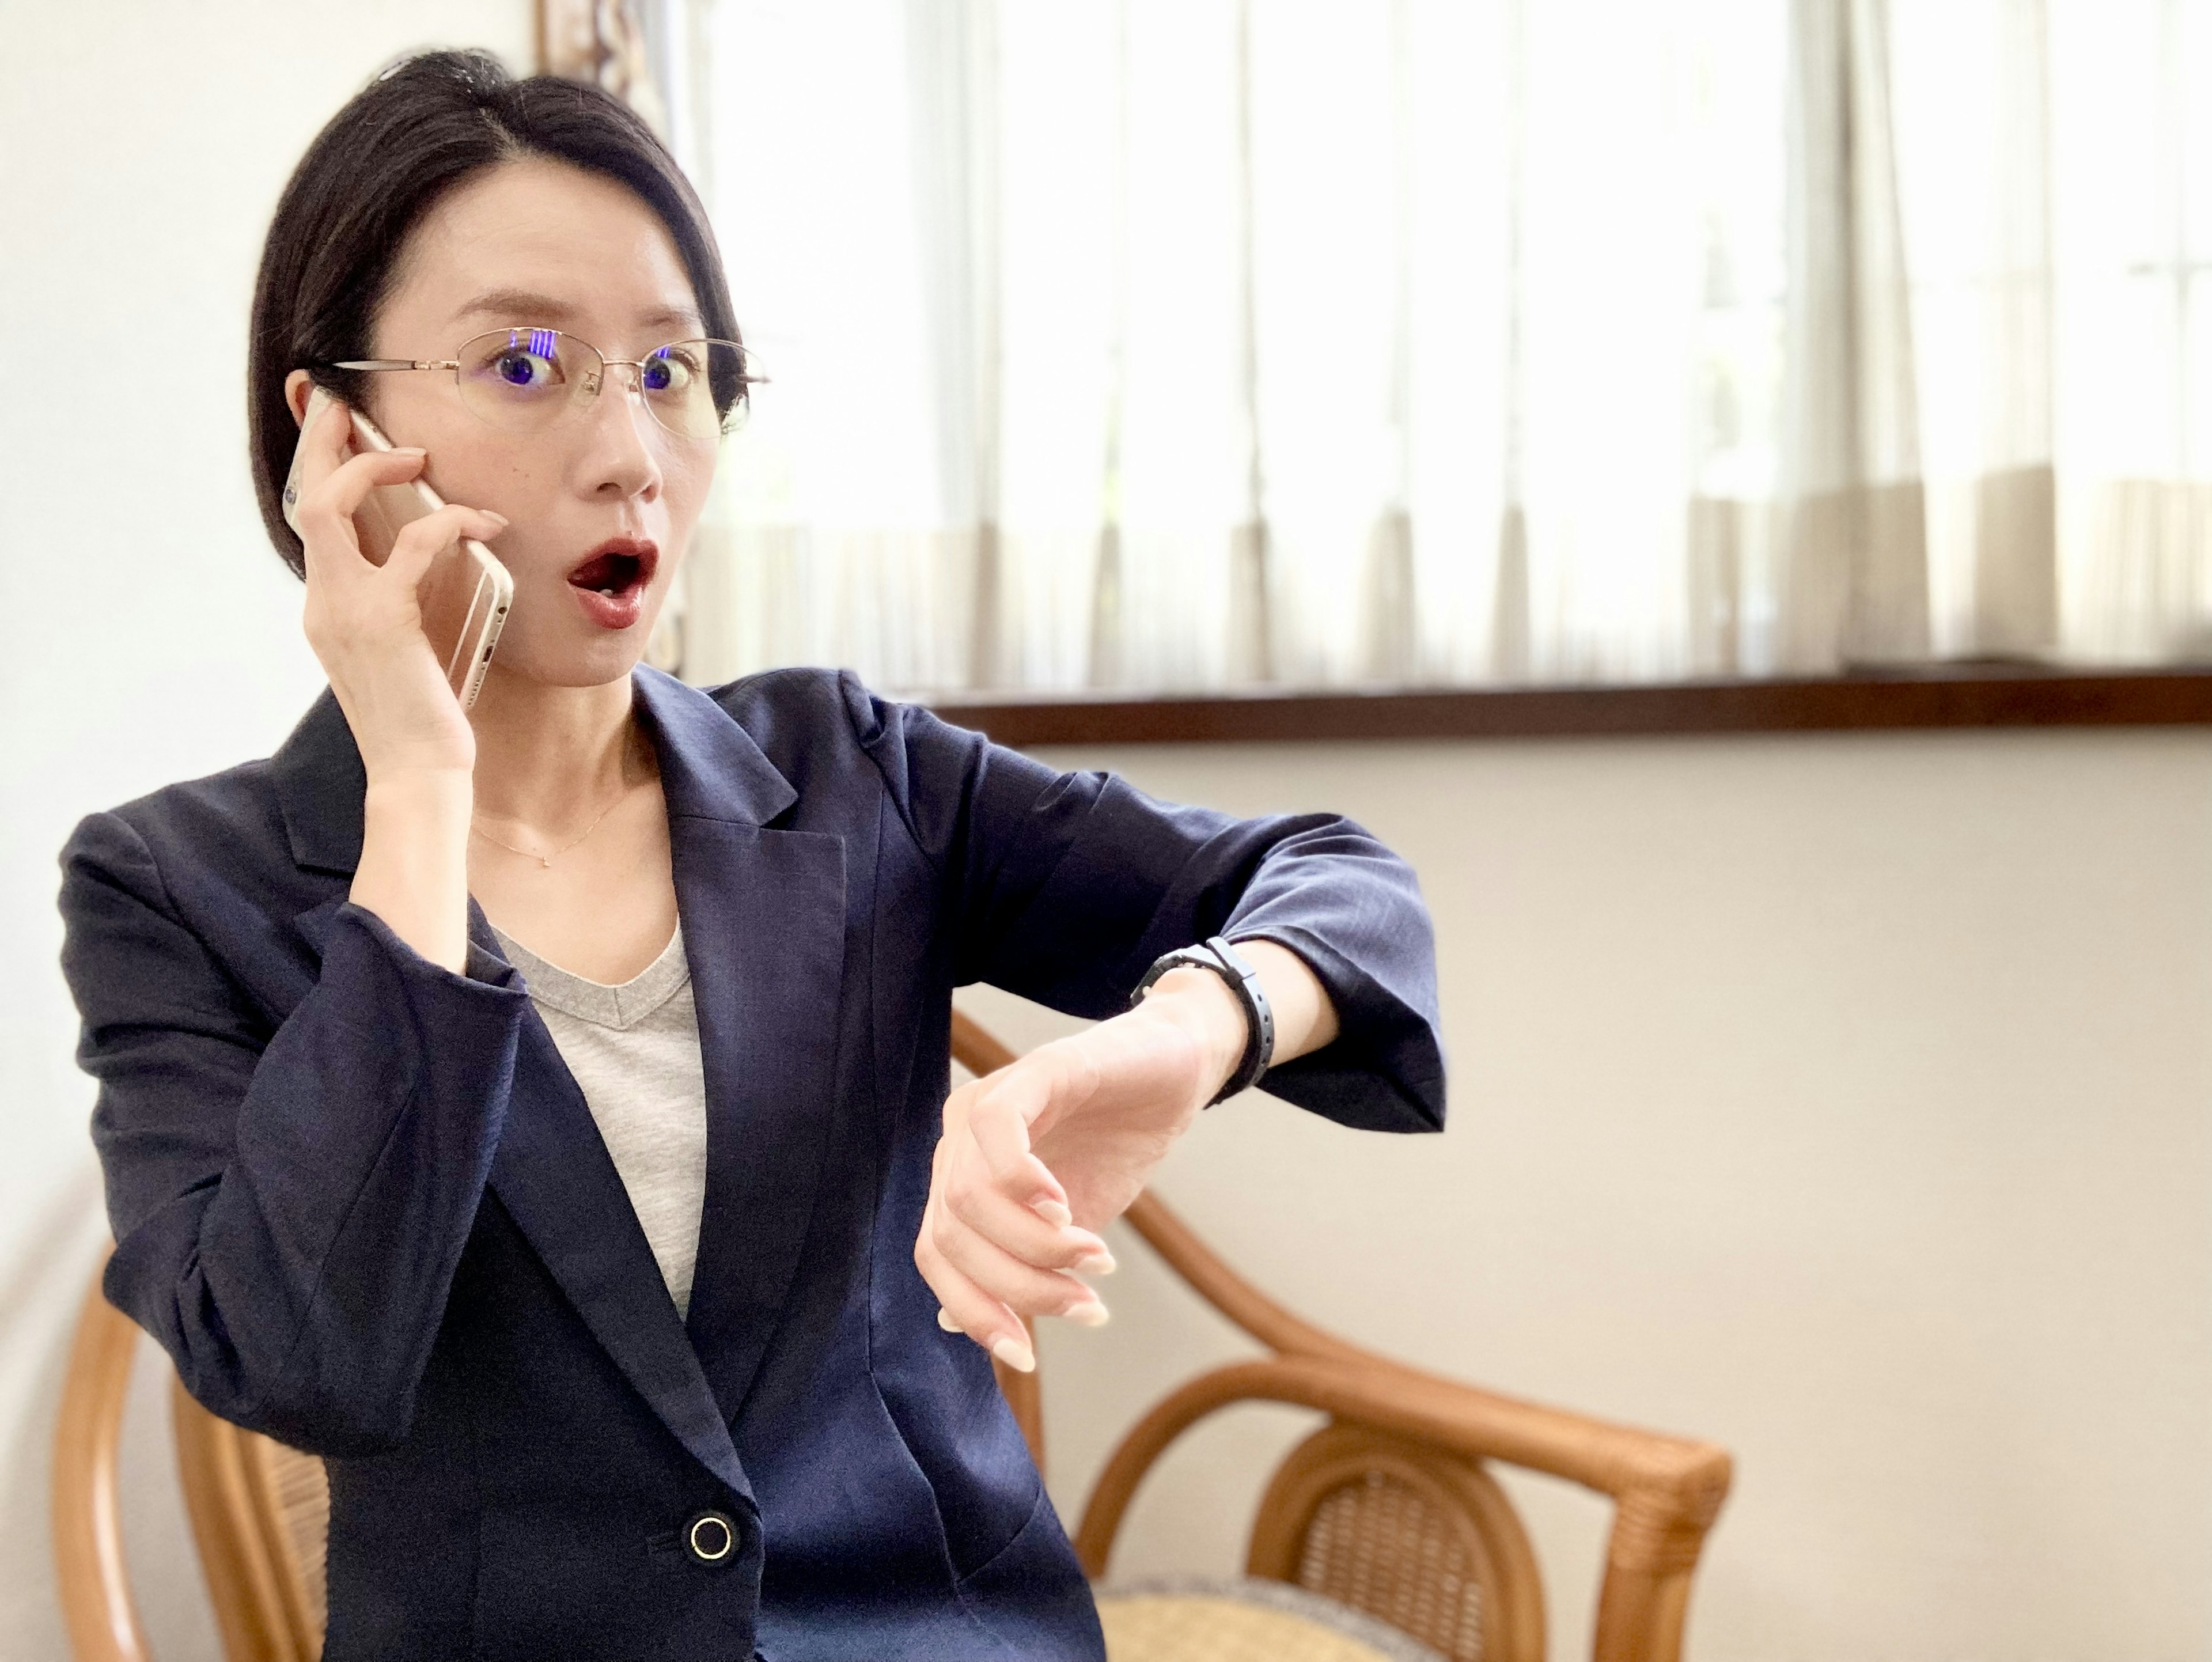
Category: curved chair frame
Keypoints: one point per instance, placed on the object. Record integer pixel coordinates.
(253, 1509)
(87, 1502)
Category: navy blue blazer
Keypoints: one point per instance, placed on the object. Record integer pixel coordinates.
(361, 1202)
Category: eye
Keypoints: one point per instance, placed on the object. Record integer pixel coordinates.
(524, 369)
(518, 360)
(671, 369)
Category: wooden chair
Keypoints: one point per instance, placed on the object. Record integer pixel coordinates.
(1389, 1508)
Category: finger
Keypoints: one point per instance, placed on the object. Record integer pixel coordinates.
(1021, 1229)
(991, 1325)
(323, 446)
(927, 1257)
(341, 491)
(1050, 1082)
(1002, 1277)
(1007, 1121)
(421, 540)
(997, 1127)
(964, 1307)
(326, 511)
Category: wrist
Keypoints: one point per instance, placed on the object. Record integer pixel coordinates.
(1200, 1001)
(435, 793)
(413, 870)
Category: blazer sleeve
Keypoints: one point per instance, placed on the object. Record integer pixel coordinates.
(1063, 887)
(289, 1206)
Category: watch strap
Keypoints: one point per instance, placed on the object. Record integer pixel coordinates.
(1224, 961)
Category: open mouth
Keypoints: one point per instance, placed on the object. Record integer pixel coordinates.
(616, 569)
(611, 581)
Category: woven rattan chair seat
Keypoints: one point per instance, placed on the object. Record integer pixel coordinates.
(1242, 1619)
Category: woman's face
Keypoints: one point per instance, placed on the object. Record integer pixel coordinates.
(601, 504)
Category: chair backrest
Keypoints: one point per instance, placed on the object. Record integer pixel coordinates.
(1414, 1537)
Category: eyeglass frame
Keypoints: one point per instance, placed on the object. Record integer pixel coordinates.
(637, 383)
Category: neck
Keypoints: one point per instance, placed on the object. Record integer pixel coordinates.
(546, 756)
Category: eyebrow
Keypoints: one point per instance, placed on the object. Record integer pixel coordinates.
(528, 306)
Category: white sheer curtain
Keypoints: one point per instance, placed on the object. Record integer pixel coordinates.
(1177, 343)
(2057, 210)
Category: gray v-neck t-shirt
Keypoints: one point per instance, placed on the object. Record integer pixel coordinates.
(633, 1049)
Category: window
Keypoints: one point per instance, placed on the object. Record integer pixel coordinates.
(1164, 344)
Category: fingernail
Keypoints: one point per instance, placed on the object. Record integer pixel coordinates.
(1098, 1263)
(408, 450)
(493, 514)
(1015, 1355)
(1090, 1313)
(1053, 1213)
(946, 1321)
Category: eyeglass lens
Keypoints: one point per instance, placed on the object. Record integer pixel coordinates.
(523, 380)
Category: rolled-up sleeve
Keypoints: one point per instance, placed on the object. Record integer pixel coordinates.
(289, 1202)
(1064, 888)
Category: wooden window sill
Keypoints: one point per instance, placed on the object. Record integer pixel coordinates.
(1952, 695)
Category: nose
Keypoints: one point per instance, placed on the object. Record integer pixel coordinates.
(619, 460)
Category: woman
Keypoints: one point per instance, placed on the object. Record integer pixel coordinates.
(643, 1300)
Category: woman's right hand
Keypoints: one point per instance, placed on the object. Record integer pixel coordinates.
(365, 624)
(365, 621)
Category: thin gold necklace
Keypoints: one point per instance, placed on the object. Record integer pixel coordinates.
(547, 860)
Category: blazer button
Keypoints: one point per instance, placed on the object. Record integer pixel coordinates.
(711, 1539)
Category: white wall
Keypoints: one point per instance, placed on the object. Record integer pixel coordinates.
(1843, 1100)
(145, 146)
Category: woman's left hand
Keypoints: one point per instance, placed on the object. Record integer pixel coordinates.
(1038, 1157)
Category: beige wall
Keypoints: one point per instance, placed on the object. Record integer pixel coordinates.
(1842, 1099)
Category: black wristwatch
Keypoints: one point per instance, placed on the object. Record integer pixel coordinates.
(1224, 959)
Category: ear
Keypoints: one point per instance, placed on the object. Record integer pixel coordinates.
(298, 388)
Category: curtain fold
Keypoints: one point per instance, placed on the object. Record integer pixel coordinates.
(1853, 582)
(1974, 133)
(1137, 344)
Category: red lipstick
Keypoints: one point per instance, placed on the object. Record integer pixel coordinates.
(609, 582)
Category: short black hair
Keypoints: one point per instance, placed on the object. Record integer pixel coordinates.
(420, 128)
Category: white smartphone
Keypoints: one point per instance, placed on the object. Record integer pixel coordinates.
(466, 592)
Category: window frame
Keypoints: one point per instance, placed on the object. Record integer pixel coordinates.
(2007, 696)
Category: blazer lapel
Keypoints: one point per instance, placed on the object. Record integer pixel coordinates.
(554, 1177)
(764, 928)
(552, 1171)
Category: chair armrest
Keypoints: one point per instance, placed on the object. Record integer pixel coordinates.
(1669, 1487)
